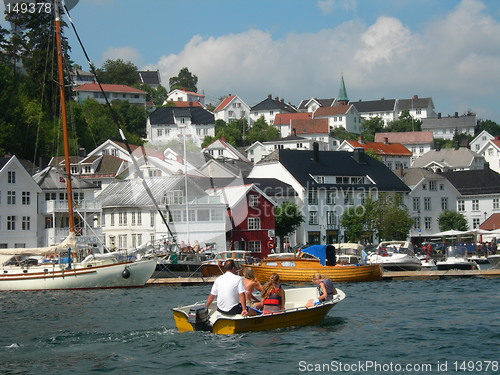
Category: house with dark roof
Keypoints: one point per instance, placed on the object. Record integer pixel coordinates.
(394, 155)
(479, 193)
(326, 183)
(111, 92)
(418, 108)
(232, 108)
(417, 142)
(269, 108)
(172, 123)
(383, 108)
(19, 194)
(447, 127)
(149, 77)
(311, 105)
(489, 147)
(431, 193)
(220, 148)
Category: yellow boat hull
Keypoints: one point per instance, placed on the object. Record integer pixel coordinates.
(290, 317)
(304, 270)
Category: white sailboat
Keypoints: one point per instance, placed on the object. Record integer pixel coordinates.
(44, 268)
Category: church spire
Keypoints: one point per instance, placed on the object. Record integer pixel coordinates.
(342, 97)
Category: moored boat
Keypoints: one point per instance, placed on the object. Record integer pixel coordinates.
(177, 264)
(304, 265)
(494, 260)
(395, 256)
(215, 266)
(198, 318)
(456, 259)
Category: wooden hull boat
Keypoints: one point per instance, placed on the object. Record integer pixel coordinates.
(302, 270)
(215, 267)
(197, 318)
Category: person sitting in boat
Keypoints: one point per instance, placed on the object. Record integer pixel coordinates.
(251, 284)
(326, 290)
(273, 295)
(229, 290)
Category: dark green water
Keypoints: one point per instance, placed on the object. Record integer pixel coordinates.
(415, 327)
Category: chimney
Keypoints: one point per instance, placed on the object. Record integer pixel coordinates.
(386, 140)
(439, 115)
(316, 152)
(415, 97)
(361, 140)
(456, 114)
(270, 96)
(359, 155)
(82, 152)
(456, 146)
(438, 146)
(294, 131)
(400, 171)
(277, 98)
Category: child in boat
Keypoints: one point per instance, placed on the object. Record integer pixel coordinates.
(326, 290)
(273, 295)
(251, 284)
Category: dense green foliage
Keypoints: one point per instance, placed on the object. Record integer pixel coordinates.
(448, 220)
(184, 80)
(288, 218)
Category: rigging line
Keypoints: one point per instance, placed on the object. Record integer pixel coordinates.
(115, 120)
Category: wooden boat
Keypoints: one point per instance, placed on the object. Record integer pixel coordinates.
(302, 266)
(198, 318)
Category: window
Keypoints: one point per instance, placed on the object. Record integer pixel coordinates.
(112, 217)
(50, 196)
(11, 197)
(11, 177)
(320, 179)
(461, 206)
(216, 215)
(254, 246)
(25, 224)
(331, 218)
(444, 203)
(312, 197)
(133, 223)
(176, 216)
(427, 203)
(475, 205)
(49, 222)
(203, 215)
(11, 223)
(432, 186)
(313, 218)
(348, 198)
(416, 224)
(25, 198)
(122, 218)
(254, 223)
(152, 215)
(475, 223)
(122, 241)
(416, 203)
(174, 197)
(428, 223)
(253, 200)
(496, 204)
(330, 197)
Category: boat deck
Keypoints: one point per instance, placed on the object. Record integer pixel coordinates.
(387, 275)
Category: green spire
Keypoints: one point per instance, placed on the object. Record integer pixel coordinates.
(342, 97)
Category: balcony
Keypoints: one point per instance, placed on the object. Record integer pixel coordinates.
(48, 207)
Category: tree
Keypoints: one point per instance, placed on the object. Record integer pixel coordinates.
(490, 126)
(391, 218)
(184, 80)
(372, 126)
(342, 134)
(261, 131)
(405, 123)
(353, 220)
(156, 95)
(287, 219)
(118, 72)
(448, 220)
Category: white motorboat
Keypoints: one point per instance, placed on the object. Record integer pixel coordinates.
(456, 259)
(395, 256)
(494, 260)
(428, 263)
(349, 253)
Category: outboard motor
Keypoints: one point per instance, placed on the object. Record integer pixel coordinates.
(198, 317)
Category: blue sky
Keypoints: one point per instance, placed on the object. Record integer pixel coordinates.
(297, 49)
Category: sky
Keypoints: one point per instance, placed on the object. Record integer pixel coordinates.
(448, 50)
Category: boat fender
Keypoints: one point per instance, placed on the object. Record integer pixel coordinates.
(126, 273)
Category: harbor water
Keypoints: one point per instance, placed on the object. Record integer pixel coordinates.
(415, 327)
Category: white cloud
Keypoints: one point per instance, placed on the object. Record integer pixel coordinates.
(124, 53)
(454, 59)
(329, 6)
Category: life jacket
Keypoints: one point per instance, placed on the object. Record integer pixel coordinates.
(274, 298)
(330, 289)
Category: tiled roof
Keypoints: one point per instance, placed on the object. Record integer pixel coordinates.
(270, 104)
(108, 88)
(449, 122)
(394, 149)
(473, 182)
(183, 104)
(302, 165)
(224, 103)
(406, 137)
(381, 105)
(310, 126)
(285, 118)
(492, 223)
(332, 111)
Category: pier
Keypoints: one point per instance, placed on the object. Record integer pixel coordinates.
(387, 276)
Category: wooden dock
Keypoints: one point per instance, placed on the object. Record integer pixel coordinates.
(387, 275)
(436, 275)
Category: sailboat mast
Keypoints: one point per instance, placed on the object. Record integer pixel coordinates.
(64, 122)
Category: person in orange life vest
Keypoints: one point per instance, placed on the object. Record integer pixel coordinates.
(229, 290)
(326, 290)
(273, 295)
